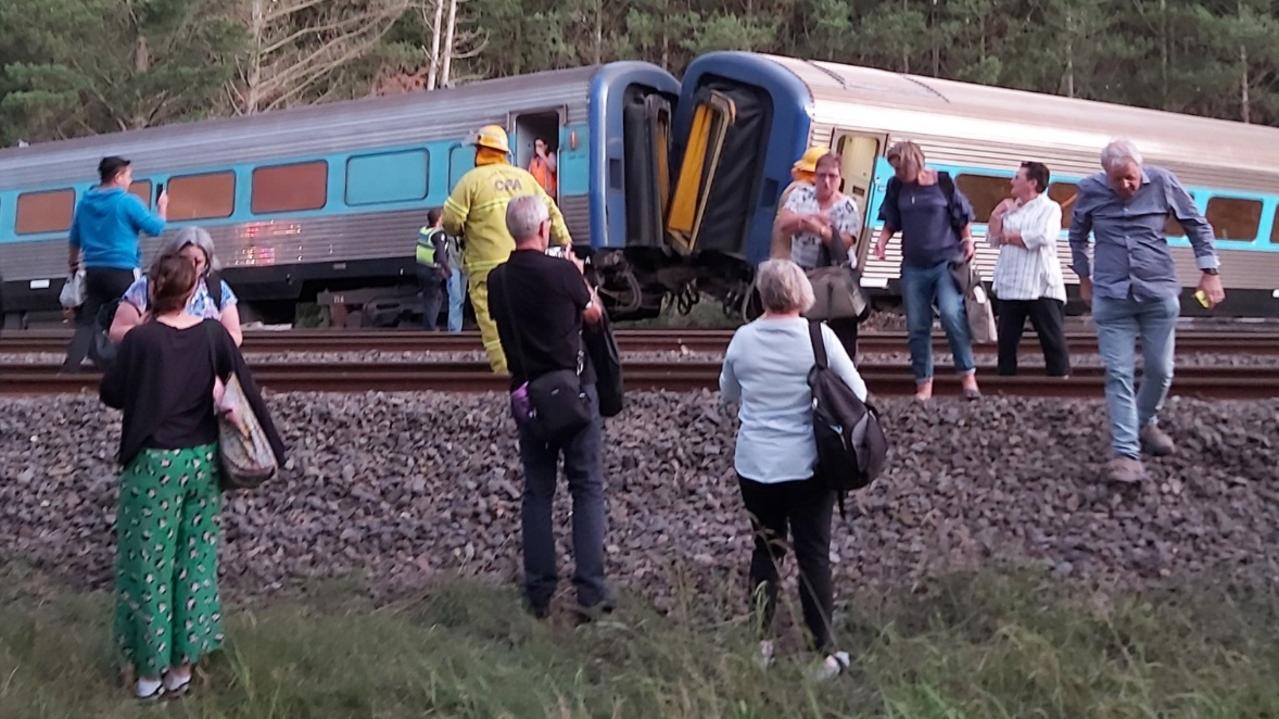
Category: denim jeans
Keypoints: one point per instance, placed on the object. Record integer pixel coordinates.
(583, 467)
(920, 287)
(1120, 323)
(457, 296)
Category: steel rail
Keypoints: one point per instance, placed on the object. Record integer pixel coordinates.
(1235, 382)
(692, 341)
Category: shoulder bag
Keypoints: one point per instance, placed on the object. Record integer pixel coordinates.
(245, 456)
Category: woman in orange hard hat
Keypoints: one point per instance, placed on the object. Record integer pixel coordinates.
(476, 211)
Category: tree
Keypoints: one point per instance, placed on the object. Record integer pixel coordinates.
(297, 49)
(147, 62)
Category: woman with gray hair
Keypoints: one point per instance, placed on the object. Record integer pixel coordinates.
(218, 304)
(766, 369)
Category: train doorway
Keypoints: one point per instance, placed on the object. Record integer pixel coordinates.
(858, 152)
(529, 127)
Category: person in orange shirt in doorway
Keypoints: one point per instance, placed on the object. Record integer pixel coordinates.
(543, 167)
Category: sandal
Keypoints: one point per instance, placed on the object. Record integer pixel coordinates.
(145, 695)
(177, 687)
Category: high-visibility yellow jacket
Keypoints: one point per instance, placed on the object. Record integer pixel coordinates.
(476, 211)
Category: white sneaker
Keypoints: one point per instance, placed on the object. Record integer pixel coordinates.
(764, 658)
(834, 665)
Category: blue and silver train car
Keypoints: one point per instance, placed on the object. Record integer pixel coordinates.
(330, 197)
(743, 118)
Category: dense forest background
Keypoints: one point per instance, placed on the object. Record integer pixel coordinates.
(76, 67)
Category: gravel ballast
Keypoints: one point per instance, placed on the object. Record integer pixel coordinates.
(405, 486)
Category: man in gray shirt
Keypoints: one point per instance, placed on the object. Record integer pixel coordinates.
(1134, 291)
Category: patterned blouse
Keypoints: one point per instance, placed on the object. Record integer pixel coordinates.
(201, 304)
(805, 247)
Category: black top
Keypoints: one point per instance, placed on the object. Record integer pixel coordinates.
(163, 380)
(546, 295)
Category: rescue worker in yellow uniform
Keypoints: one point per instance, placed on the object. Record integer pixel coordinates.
(476, 211)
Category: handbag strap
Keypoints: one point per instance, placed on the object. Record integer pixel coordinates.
(819, 343)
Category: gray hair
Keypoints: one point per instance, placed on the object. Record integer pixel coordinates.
(783, 286)
(174, 244)
(524, 214)
(1119, 153)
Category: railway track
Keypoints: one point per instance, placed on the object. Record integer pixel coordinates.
(1208, 382)
(309, 341)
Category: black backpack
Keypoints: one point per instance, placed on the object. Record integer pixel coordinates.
(851, 446)
(103, 350)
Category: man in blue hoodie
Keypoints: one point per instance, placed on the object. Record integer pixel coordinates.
(105, 231)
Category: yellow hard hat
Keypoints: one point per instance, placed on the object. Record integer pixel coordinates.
(492, 137)
(808, 163)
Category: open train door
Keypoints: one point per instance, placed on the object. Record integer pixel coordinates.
(720, 169)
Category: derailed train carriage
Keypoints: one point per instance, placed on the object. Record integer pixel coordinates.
(746, 117)
(670, 187)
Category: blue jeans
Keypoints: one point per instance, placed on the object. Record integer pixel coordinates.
(920, 287)
(1120, 323)
(457, 296)
(583, 467)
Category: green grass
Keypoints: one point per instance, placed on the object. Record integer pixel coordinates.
(988, 645)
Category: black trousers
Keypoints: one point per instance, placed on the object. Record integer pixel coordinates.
(434, 289)
(1048, 317)
(846, 331)
(102, 286)
(805, 507)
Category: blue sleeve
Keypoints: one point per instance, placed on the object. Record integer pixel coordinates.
(228, 297)
(1198, 230)
(963, 207)
(142, 218)
(75, 231)
(889, 213)
(730, 389)
(1080, 228)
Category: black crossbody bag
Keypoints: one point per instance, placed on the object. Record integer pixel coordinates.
(552, 406)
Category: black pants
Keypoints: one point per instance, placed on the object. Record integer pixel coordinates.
(846, 331)
(583, 455)
(806, 506)
(1048, 316)
(102, 286)
(434, 286)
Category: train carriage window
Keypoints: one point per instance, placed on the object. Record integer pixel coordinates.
(142, 190)
(1234, 218)
(290, 188)
(461, 160)
(1274, 228)
(387, 177)
(200, 197)
(1172, 228)
(1064, 194)
(45, 211)
(985, 192)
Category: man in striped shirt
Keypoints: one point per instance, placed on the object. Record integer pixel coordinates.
(1028, 279)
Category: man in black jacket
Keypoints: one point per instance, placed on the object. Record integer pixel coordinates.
(540, 302)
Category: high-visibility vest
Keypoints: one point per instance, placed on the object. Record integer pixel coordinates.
(426, 246)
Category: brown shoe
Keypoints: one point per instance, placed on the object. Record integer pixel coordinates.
(1125, 470)
(1156, 442)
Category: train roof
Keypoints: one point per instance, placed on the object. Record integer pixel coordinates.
(313, 129)
(1068, 133)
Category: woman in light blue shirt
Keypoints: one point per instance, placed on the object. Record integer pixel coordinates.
(766, 369)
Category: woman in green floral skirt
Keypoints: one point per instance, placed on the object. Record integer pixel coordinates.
(168, 378)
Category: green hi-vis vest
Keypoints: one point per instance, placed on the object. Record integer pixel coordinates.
(426, 245)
